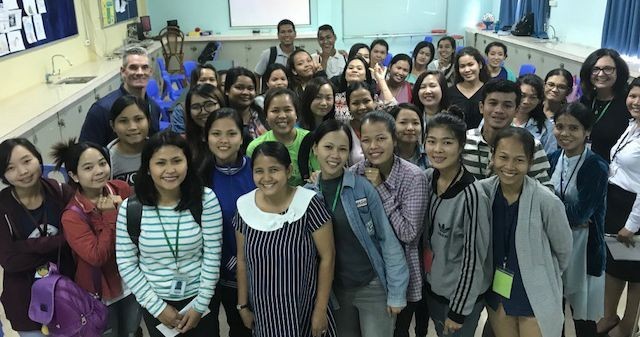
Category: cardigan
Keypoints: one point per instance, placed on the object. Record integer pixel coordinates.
(94, 243)
(20, 256)
(543, 244)
(592, 181)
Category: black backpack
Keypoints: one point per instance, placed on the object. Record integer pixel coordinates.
(208, 52)
(134, 217)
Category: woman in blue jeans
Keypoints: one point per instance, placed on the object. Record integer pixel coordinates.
(371, 274)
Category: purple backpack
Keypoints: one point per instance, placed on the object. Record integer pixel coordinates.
(65, 308)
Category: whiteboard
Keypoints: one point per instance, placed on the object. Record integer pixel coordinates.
(252, 13)
(376, 17)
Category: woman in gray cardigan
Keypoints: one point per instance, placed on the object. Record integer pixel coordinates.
(531, 241)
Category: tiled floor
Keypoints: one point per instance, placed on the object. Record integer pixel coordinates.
(225, 330)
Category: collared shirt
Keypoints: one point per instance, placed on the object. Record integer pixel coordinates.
(476, 158)
(281, 57)
(624, 170)
(404, 198)
(335, 63)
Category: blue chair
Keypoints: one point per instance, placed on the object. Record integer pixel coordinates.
(428, 38)
(527, 69)
(387, 60)
(153, 91)
(189, 67)
(168, 90)
(178, 79)
(459, 48)
(49, 171)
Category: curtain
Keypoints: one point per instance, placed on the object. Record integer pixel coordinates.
(508, 12)
(540, 10)
(621, 29)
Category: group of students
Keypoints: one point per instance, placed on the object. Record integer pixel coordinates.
(344, 206)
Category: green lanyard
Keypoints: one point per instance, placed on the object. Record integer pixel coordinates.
(600, 114)
(174, 253)
(335, 197)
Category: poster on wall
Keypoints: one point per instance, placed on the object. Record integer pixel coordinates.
(26, 24)
(116, 11)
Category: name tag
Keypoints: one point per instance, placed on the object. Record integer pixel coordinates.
(502, 282)
(361, 202)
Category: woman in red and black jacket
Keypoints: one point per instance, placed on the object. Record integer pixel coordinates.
(89, 222)
(30, 229)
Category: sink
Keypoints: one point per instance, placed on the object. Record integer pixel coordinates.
(76, 80)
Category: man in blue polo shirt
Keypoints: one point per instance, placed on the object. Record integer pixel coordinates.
(135, 73)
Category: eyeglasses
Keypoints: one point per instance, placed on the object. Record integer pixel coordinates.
(560, 87)
(606, 70)
(208, 106)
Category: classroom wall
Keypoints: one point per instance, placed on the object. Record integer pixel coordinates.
(579, 24)
(214, 15)
(28, 68)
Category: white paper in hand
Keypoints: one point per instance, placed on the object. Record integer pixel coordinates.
(169, 332)
(620, 252)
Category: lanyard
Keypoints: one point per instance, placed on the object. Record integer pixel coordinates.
(509, 229)
(564, 190)
(335, 197)
(174, 253)
(43, 219)
(600, 114)
(624, 142)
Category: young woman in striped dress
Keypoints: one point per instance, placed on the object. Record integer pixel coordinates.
(175, 261)
(285, 252)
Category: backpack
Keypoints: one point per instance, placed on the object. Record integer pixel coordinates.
(134, 216)
(208, 53)
(66, 309)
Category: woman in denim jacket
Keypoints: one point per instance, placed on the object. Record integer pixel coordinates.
(371, 273)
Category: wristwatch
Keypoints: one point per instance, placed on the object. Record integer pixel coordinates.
(242, 306)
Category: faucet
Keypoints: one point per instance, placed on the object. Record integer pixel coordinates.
(53, 67)
(555, 36)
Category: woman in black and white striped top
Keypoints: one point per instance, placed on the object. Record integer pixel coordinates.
(175, 262)
(285, 252)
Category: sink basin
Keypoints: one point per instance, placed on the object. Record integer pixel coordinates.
(76, 80)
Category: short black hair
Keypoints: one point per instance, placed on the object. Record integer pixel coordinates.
(191, 188)
(568, 77)
(331, 125)
(408, 106)
(622, 72)
(424, 44)
(125, 101)
(357, 86)
(6, 148)
(272, 149)
(284, 22)
(194, 133)
(342, 82)
(381, 42)
(579, 111)
(270, 69)
(195, 73)
(378, 116)
(522, 135)
(326, 27)
(451, 40)
(495, 44)
(271, 93)
(402, 57)
(501, 85)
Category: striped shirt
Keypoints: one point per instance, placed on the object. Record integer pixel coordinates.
(149, 268)
(476, 158)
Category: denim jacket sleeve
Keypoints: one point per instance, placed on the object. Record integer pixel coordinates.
(395, 264)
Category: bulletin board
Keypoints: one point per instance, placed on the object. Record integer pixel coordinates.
(27, 24)
(116, 11)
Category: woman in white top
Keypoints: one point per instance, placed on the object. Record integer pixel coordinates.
(623, 219)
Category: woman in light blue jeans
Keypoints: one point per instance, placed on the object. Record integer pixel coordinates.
(371, 274)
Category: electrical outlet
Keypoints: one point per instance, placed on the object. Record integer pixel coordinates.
(87, 43)
(553, 3)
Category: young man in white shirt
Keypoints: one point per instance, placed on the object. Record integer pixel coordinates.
(332, 60)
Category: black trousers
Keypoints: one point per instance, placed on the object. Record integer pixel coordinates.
(228, 297)
(403, 320)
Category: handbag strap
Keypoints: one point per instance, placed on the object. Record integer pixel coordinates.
(96, 273)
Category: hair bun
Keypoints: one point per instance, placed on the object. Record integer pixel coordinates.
(456, 111)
